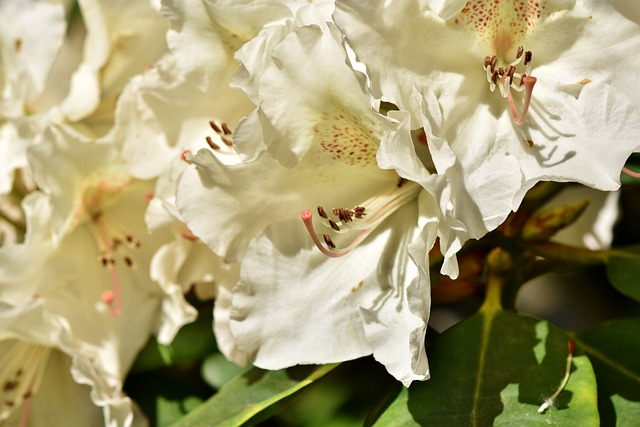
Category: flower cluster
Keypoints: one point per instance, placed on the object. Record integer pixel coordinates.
(298, 161)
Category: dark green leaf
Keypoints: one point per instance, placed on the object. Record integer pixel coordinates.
(251, 393)
(193, 341)
(614, 350)
(498, 367)
(623, 270)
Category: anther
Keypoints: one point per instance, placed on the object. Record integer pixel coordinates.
(227, 141)
(322, 213)
(519, 52)
(487, 61)
(215, 127)
(128, 261)
(212, 144)
(328, 241)
(226, 129)
(527, 57)
(345, 215)
(359, 211)
(401, 182)
(510, 72)
(333, 225)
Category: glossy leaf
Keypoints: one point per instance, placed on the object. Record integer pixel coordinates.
(498, 367)
(251, 393)
(623, 270)
(192, 341)
(613, 349)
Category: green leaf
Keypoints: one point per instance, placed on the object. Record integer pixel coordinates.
(250, 394)
(217, 370)
(614, 350)
(498, 367)
(623, 270)
(192, 341)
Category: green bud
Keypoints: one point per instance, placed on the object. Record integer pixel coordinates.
(544, 224)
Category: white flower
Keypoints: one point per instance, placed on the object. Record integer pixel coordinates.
(71, 79)
(342, 293)
(507, 96)
(90, 268)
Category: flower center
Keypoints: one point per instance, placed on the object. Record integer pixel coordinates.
(223, 136)
(115, 245)
(361, 220)
(21, 370)
(501, 24)
(507, 78)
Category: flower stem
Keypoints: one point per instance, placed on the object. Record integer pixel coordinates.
(572, 254)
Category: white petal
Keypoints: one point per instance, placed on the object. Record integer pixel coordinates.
(293, 305)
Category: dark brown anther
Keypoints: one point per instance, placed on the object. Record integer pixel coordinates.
(401, 182)
(519, 52)
(359, 211)
(322, 213)
(527, 57)
(522, 78)
(227, 141)
(128, 261)
(214, 126)
(328, 241)
(104, 261)
(345, 215)
(212, 144)
(10, 385)
(487, 61)
(510, 72)
(494, 77)
(529, 142)
(494, 60)
(333, 225)
(226, 129)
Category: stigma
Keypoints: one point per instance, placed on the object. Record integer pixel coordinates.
(359, 222)
(508, 79)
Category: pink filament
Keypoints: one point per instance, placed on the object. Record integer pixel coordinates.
(529, 82)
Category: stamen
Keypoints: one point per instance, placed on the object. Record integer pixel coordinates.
(212, 144)
(224, 133)
(379, 208)
(22, 367)
(322, 213)
(328, 241)
(110, 240)
(214, 126)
